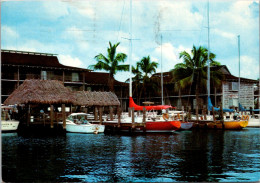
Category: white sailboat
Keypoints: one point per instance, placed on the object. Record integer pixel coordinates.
(254, 119)
(230, 124)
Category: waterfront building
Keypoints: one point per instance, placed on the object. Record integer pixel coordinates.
(17, 66)
(228, 94)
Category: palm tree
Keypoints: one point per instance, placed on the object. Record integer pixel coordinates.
(144, 70)
(193, 72)
(110, 63)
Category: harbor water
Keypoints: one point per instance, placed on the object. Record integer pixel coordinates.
(185, 156)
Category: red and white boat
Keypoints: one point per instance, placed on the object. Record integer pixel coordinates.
(154, 122)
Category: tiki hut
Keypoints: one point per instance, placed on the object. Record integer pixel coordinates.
(41, 92)
(51, 94)
(86, 98)
(98, 100)
(34, 93)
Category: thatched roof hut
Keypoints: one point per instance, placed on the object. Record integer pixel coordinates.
(86, 98)
(54, 92)
(41, 92)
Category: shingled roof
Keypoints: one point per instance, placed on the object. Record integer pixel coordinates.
(167, 76)
(40, 92)
(87, 98)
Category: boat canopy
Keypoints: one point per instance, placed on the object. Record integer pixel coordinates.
(241, 108)
(148, 108)
(217, 109)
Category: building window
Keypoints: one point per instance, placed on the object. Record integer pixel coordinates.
(75, 76)
(233, 86)
(44, 75)
(233, 102)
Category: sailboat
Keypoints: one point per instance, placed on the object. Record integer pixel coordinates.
(229, 124)
(153, 123)
(254, 119)
(226, 123)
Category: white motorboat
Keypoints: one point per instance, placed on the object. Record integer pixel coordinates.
(7, 123)
(78, 123)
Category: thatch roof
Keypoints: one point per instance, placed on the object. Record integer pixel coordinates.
(86, 98)
(54, 92)
(40, 92)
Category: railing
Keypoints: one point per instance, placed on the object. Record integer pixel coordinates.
(14, 76)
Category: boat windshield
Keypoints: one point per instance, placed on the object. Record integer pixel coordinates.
(5, 116)
(79, 119)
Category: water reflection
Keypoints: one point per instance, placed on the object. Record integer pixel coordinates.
(184, 156)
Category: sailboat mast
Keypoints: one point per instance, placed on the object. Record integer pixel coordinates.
(130, 51)
(238, 68)
(208, 81)
(161, 72)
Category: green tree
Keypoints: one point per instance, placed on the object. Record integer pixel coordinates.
(110, 63)
(193, 70)
(144, 70)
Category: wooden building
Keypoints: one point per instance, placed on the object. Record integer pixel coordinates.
(17, 66)
(228, 94)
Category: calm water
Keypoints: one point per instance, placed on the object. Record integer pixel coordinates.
(199, 155)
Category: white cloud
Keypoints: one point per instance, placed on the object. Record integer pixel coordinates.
(77, 37)
(69, 61)
(85, 8)
(249, 67)
(178, 16)
(227, 35)
(170, 55)
(55, 9)
(237, 16)
(8, 32)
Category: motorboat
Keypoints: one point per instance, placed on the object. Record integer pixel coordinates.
(78, 123)
(7, 121)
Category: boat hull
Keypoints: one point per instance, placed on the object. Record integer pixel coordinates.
(163, 126)
(10, 125)
(153, 127)
(92, 128)
(228, 125)
(186, 125)
(254, 122)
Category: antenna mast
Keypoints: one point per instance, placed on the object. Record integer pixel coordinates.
(238, 68)
(130, 51)
(161, 72)
(208, 81)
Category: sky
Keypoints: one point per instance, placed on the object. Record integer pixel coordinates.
(77, 31)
